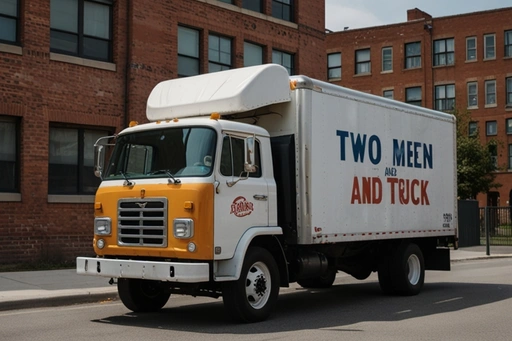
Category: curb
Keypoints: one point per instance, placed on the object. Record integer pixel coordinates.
(59, 300)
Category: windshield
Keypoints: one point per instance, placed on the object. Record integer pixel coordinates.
(172, 152)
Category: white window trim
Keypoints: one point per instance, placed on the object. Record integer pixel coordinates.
(487, 128)
(476, 49)
(382, 59)
(485, 46)
(467, 89)
(491, 105)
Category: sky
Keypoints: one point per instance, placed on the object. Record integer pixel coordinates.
(364, 13)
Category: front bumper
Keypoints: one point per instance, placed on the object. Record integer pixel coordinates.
(158, 271)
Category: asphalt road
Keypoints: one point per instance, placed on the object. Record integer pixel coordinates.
(472, 302)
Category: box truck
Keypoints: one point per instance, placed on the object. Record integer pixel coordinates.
(247, 180)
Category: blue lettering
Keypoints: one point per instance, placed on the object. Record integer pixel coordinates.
(427, 156)
(343, 135)
(398, 153)
(374, 141)
(417, 154)
(358, 147)
(409, 153)
(417, 146)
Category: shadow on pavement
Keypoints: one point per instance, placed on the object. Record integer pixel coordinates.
(341, 305)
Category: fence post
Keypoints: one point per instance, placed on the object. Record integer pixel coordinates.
(487, 237)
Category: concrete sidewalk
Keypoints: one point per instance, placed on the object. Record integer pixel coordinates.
(31, 289)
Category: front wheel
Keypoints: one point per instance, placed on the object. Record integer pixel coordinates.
(253, 296)
(141, 295)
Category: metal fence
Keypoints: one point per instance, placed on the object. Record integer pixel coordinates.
(495, 225)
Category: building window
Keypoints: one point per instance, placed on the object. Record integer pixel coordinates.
(82, 28)
(71, 161)
(473, 128)
(253, 5)
(489, 46)
(509, 92)
(226, 1)
(284, 59)
(9, 159)
(444, 52)
(491, 128)
(219, 53)
(471, 48)
(510, 156)
(445, 97)
(388, 94)
(413, 96)
(413, 55)
(282, 9)
(9, 15)
(334, 65)
(490, 93)
(387, 59)
(253, 54)
(363, 64)
(188, 52)
(508, 43)
(493, 150)
(509, 126)
(472, 95)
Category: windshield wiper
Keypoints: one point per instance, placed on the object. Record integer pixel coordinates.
(172, 179)
(126, 182)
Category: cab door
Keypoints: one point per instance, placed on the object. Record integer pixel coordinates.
(241, 199)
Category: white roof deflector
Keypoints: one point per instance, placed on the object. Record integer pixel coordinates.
(224, 92)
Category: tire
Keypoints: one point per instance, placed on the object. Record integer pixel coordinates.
(322, 282)
(141, 295)
(253, 296)
(408, 270)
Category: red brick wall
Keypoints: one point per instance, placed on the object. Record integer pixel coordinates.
(458, 27)
(43, 91)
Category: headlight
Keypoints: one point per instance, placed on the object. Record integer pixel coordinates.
(102, 226)
(183, 228)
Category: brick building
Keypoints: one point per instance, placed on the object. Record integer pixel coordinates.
(460, 61)
(71, 71)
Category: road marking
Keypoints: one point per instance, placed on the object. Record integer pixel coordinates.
(450, 300)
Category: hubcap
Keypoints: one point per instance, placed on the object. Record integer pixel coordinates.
(413, 269)
(257, 285)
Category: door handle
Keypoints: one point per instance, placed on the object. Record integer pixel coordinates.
(260, 197)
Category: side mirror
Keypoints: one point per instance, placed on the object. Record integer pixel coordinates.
(100, 154)
(99, 160)
(249, 166)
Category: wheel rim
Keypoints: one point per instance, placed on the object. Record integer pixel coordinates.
(413, 269)
(257, 285)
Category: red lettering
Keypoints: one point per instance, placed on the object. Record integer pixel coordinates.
(403, 189)
(376, 191)
(356, 195)
(415, 200)
(392, 182)
(424, 195)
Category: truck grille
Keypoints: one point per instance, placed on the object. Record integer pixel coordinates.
(142, 222)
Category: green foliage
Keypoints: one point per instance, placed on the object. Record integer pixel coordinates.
(475, 166)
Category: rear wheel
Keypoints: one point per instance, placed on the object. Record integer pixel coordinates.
(141, 295)
(253, 296)
(321, 282)
(409, 270)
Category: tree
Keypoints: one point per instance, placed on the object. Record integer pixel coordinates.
(475, 164)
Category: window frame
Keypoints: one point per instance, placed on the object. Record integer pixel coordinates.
(364, 62)
(246, 53)
(282, 54)
(335, 67)
(16, 19)
(384, 61)
(17, 138)
(412, 57)
(246, 4)
(228, 138)
(473, 49)
(508, 126)
(507, 44)
(475, 84)
(472, 128)
(446, 53)
(489, 130)
(211, 62)
(188, 57)
(80, 165)
(283, 5)
(486, 47)
(81, 36)
(488, 83)
(508, 92)
(392, 91)
(510, 156)
(414, 101)
(445, 99)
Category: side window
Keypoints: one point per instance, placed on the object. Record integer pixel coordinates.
(9, 158)
(9, 21)
(232, 158)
